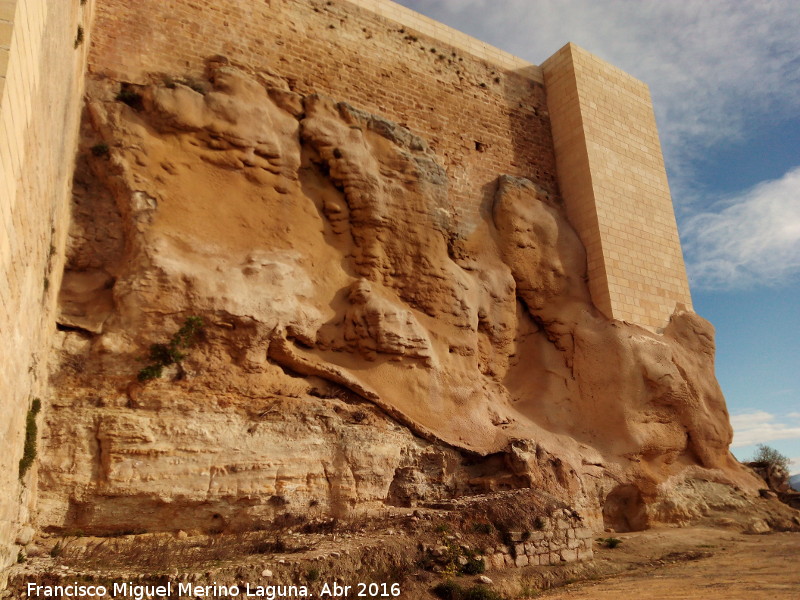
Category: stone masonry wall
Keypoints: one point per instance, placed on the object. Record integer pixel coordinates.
(41, 78)
(481, 118)
(613, 181)
(563, 538)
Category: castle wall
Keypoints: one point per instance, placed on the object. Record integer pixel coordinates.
(41, 78)
(484, 111)
(612, 177)
(481, 110)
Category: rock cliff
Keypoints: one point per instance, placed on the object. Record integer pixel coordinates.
(359, 348)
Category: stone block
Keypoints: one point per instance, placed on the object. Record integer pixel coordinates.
(529, 548)
(544, 559)
(521, 560)
(568, 555)
(574, 544)
(515, 536)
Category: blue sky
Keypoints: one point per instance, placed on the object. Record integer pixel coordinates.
(725, 81)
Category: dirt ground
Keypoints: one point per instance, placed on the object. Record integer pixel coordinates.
(693, 563)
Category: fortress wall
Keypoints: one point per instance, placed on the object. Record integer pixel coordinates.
(41, 79)
(481, 109)
(612, 177)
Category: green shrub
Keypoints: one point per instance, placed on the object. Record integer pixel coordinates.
(473, 566)
(129, 96)
(483, 528)
(610, 542)
(29, 450)
(312, 575)
(442, 528)
(448, 590)
(164, 355)
(56, 550)
(100, 149)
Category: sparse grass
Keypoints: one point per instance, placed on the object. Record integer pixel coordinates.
(29, 450)
(442, 528)
(474, 566)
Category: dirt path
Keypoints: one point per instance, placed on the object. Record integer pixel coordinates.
(706, 564)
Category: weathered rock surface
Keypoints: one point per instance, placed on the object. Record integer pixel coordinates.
(359, 348)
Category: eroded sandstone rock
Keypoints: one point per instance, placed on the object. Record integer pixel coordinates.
(359, 347)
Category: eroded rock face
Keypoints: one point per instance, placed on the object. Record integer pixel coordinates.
(359, 348)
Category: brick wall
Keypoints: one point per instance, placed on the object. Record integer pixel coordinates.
(482, 118)
(614, 184)
(41, 75)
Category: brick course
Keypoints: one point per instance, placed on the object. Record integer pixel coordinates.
(41, 78)
(451, 97)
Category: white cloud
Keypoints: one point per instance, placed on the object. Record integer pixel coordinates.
(712, 67)
(794, 465)
(761, 427)
(754, 239)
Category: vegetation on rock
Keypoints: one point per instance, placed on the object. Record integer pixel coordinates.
(29, 452)
(164, 355)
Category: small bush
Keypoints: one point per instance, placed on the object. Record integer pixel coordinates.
(312, 575)
(100, 149)
(56, 550)
(442, 528)
(29, 450)
(483, 528)
(164, 355)
(772, 457)
(448, 590)
(610, 542)
(129, 96)
(474, 566)
(78, 37)
(539, 523)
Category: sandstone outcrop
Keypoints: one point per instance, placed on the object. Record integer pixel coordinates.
(360, 346)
